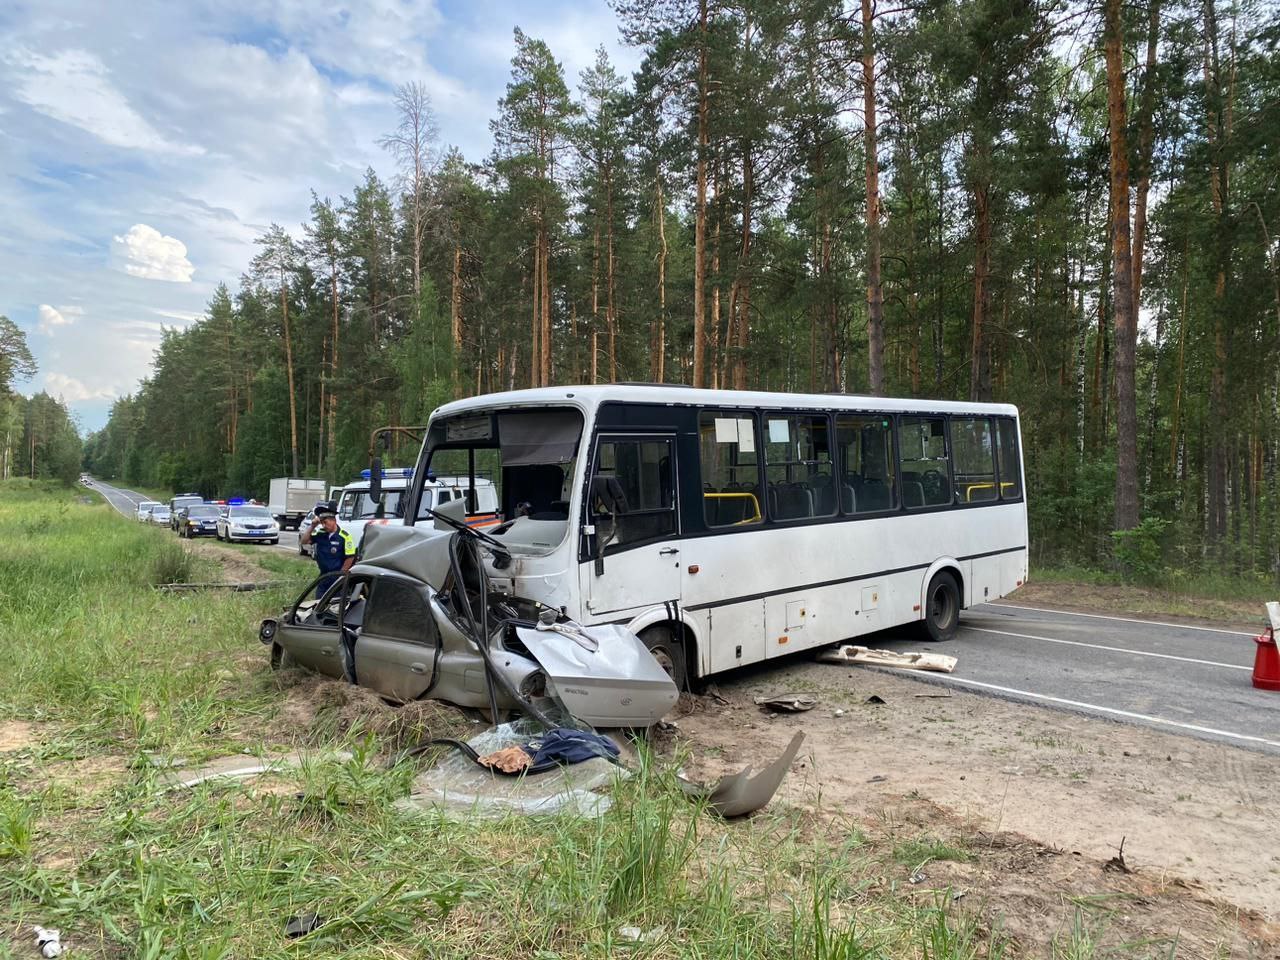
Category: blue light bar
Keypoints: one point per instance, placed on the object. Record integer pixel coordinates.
(388, 472)
(236, 502)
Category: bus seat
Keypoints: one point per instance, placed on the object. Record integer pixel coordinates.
(912, 493)
(875, 495)
(823, 491)
(792, 501)
(848, 499)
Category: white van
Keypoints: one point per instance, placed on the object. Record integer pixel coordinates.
(357, 509)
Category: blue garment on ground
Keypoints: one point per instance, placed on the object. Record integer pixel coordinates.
(566, 745)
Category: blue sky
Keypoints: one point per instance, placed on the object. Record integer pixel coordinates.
(143, 146)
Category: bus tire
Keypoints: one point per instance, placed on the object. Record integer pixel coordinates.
(941, 608)
(668, 650)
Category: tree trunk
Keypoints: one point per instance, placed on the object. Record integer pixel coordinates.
(875, 291)
(980, 370)
(455, 316)
(535, 332)
(1146, 147)
(611, 307)
(660, 350)
(1122, 272)
(546, 304)
(1218, 183)
(700, 212)
(288, 366)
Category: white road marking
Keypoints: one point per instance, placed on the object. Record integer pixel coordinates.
(1099, 616)
(1103, 646)
(1114, 712)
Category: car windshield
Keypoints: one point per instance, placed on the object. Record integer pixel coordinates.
(260, 513)
(202, 511)
(358, 505)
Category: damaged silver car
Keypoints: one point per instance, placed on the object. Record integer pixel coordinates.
(417, 617)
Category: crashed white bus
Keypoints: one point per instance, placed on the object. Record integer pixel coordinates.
(727, 527)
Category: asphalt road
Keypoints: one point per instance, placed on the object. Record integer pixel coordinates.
(126, 501)
(1192, 681)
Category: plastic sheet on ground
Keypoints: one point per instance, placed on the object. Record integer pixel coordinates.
(459, 788)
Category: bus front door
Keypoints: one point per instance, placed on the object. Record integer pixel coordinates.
(633, 539)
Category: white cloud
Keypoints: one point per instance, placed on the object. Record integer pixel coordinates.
(75, 391)
(74, 86)
(185, 316)
(51, 318)
(145, 252)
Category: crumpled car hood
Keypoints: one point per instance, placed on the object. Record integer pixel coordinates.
(618, 684)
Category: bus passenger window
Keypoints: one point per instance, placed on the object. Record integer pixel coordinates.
(633, 491)
(797, 455)
(864, 448)
(1007, 454)
(730, 468)
(974, 459)
(926, 468)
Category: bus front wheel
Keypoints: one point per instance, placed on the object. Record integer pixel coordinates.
(941, 608)
(669, 652)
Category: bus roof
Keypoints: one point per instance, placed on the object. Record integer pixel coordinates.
(591, 396)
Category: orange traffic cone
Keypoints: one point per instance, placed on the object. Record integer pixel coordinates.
(1266, 665)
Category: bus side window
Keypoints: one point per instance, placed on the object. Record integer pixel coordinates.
(731, 494)
(1007, 455)
(973, 459)
(865, 447)
(632, 492)
(926, 468)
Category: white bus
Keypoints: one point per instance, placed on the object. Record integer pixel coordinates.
(728, 527)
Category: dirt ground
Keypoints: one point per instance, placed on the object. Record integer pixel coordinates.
(1040, 799)
(236, 567)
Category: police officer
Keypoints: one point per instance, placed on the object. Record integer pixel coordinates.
(335, 548)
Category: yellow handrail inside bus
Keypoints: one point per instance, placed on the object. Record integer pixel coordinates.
(755, 505)
(968, 490)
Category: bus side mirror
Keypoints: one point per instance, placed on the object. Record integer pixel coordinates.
(375, 479)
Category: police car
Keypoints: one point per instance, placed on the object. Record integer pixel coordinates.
(247, 522)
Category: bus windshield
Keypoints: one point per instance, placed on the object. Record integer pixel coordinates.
(529, 457)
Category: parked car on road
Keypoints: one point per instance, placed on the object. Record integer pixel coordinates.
(145, 508)
(160, 515)
(248, 523)
(178, 502)
(198, 520)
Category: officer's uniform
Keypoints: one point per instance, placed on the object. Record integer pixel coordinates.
(332, 551)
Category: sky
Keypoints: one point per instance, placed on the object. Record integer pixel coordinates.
(144, 145)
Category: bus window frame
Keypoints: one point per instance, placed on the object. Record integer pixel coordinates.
(896, 503)
(995, 466)
(1016, 425)
(612, 435)
(756, 415)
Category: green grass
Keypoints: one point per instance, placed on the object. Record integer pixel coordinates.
(1214, 585)
(112, 674)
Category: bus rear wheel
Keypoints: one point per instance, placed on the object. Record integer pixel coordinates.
(941, 608)
(669, 652)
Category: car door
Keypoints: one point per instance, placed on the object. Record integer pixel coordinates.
(396, 650)
(310, 632)
(634, 554)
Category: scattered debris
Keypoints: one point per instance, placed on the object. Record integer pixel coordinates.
(876, 699)
(237, 767)
(48, 942)
(838, 713)
(851, 653)
(713, 692)
(1117, 863)
(878, 778)
(636, 935)
(738, 794)
(917, 876)
(788, 702)
(461, 789)
(932, 696)
(508, 759)
(302, 924)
